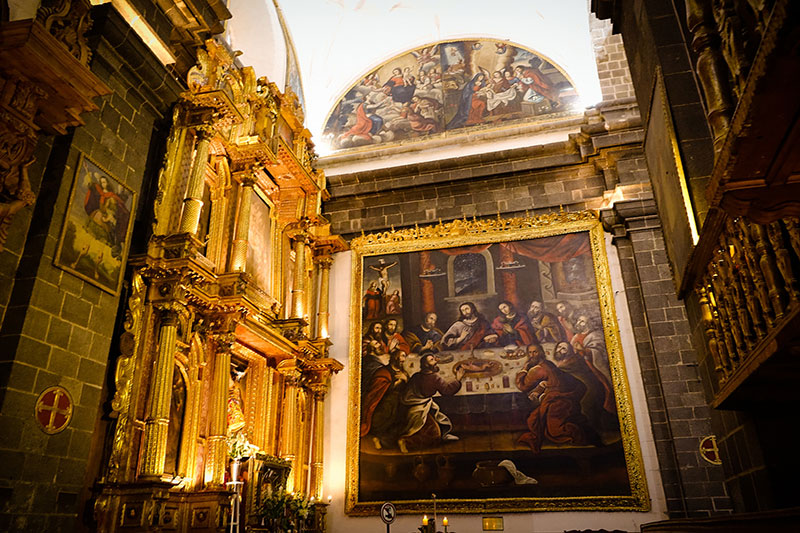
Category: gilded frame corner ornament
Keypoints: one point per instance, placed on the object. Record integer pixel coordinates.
(475, 232)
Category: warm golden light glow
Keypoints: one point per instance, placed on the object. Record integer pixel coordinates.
(444, 521)
(142, 29)
(425, 520)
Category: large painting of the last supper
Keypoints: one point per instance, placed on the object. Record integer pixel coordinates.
(487, 369)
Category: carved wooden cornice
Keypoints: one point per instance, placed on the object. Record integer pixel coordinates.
(45, 85)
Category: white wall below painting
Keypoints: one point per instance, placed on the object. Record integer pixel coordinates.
(337, 407)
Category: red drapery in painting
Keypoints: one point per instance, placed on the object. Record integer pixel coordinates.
(550, 249)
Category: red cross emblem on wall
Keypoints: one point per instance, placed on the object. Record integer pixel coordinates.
(53, 409)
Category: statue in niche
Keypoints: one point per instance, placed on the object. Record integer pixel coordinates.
(236, 418)
(177, 410)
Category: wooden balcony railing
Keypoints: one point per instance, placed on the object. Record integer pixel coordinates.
(748, 294)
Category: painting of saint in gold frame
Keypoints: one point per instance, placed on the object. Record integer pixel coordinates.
(487, 369)
(94, 241)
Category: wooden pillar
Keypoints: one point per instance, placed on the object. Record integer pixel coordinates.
(299, 286)
(157, 419)
(711, 69)
(239, 247)
(218, 424)
(193, 202)
(317, 442)
(324, 263)
(287, 448)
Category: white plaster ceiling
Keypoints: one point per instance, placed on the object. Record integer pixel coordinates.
(338, 41)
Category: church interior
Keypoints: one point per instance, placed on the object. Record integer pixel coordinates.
(340, 265)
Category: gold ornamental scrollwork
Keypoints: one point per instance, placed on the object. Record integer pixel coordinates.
(456, 232)
(123, 377)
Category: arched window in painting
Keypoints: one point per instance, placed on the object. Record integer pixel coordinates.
(471, 275)
(177, 410)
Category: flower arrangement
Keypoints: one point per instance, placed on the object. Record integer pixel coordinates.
(285, 512)
(240, 448)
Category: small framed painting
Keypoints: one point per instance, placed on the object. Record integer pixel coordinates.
(97, 228)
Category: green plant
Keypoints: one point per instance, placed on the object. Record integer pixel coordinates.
(285, 512)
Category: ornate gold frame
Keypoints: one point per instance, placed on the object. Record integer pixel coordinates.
(471, 232)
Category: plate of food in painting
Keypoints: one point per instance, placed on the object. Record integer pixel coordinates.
(479, 368)
(512, 352)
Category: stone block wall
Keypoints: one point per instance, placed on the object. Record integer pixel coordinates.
(58, 329)
(678, 409)
(612, 63)
(603, 162)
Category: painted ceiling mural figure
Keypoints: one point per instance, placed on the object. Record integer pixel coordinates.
(448, 86)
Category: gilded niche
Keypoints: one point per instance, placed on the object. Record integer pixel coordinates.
(223, 368)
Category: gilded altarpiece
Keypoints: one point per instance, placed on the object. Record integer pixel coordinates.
(220, 379)
(487, 368)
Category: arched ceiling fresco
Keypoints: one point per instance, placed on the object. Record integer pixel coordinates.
(446, 87)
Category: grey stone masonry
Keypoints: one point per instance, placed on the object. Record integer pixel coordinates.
(679, 413)
(612, 63)
(57, 328)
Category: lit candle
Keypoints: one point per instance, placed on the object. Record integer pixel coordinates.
(329, 498)
(425, 520)
(444, 522)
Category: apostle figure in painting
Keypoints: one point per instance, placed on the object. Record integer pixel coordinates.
(566, 317)
(597, 402)
(512, 327)
(381, 408)
(546, 325)
(556, 396)
(590, 342)
(375, 337)
(373, 301)
(426, 425)
(425, 336)
(394, 340)
(471, 330)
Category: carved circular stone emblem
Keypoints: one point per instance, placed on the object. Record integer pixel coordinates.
(53, 410)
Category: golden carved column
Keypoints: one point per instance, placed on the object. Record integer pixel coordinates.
(157, 418)
(321, 371)
(287, 447)
(299, 287)
(239, 248)
(324, 263)
(193, 203)
(318, 441)
(218, 422)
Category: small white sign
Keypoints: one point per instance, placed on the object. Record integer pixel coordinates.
(388, 513)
